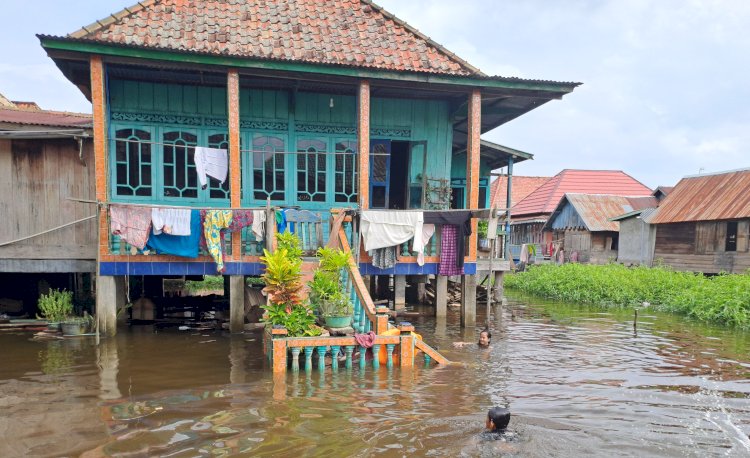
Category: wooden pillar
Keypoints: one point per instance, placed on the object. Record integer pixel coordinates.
(472, 165)
(235, 176)
(399, 287)
(363, 143)
(468, 301)
(441, 296)
(236, 303)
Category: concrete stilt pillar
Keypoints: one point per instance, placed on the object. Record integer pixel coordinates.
(468, 300)
(110, 293)
(499, 287)
(236, 303)
(399, 300)
(422, 289)
(441, 296)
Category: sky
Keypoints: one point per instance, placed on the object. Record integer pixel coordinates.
(666, 83)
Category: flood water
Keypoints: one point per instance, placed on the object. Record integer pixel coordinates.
(579, 381)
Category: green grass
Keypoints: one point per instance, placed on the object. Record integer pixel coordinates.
(720, 299)
(209, 283)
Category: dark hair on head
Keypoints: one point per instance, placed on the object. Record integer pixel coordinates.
(486, 330)
(500, 417)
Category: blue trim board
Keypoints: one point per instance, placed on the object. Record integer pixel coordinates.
(178, 268)
(430, 268)
(253, 268)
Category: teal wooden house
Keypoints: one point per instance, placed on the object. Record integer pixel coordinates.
(321, 104)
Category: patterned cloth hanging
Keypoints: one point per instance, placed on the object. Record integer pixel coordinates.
(213, 223)
(131, 223)
(449, 251)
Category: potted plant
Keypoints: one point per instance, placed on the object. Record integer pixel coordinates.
(483, 243)
(327, 290)
(283, 278)
(56, 306)
(78, 325)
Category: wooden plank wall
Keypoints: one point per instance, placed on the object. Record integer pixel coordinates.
(700, 247)
(36, 178)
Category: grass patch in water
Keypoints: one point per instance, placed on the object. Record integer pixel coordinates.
(721, 299)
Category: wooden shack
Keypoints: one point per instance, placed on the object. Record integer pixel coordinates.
(47, 231)
(703, 225)
(582, 227)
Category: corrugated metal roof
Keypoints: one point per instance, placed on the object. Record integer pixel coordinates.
(719, 196)
(44, 118)
(594, 211)
(610, 182)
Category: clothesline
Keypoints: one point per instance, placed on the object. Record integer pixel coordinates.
(192, 145)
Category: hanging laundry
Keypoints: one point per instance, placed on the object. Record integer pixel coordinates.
(382, 229)
(131, 223)
(259, 224)
(212, 162)
(173, 221)
(185, 246)
(524, 255)
(449, 251)
(213, 223)
(428, 230)
(461, 219)
(384, 258)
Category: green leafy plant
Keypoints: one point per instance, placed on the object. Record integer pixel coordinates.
(482, 228)
(57, 305)
(283, 279)
(721, 298)
(326, 288)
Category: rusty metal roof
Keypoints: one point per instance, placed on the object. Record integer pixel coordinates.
(708, 197)
(593, 212)
(44, 118)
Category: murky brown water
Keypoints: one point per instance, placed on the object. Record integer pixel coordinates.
(579, 382)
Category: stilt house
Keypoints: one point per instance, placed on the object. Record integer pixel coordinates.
(321, 105)
(703, 225)
(47, 229)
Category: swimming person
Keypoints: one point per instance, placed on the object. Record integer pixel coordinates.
(497, 419)
(484, 340)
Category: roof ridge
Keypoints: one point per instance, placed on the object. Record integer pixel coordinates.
(421, 35)
(42, 110)
(104, 22)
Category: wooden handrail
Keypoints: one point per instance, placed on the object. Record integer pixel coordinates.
(379, 325)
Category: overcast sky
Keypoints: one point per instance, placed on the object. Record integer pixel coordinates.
(666, 82)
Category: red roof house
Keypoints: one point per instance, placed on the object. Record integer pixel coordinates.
(522, 186)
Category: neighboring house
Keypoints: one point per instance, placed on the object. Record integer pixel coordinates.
(582, 227)
(320, 105)
(637, 234)
(47, 234)
(703, 225)
(529, 216)
(521, 187)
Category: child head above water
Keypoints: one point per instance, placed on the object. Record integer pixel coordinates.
(484, 338)
(498, 419)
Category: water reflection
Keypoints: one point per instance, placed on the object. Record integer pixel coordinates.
(578, 381)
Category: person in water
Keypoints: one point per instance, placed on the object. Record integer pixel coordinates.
(498, 419)
(484, 340)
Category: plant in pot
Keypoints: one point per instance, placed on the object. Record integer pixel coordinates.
(78, 325)
(283, 278)
(56, 306)
(327, 292)
(483, 242)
